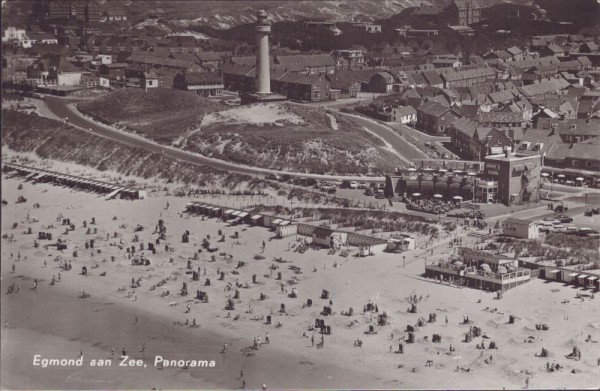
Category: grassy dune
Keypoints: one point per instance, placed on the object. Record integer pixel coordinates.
(160, 114)
(277, 136)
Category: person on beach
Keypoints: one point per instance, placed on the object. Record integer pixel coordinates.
(312, 341)
(267, 342)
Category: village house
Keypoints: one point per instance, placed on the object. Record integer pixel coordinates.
(302, 87)
(308, 64)
(577, 130)
(238, 77)
(211, 60)
(349, 58)
(434, 118)
(114, 15)
(382, 82)
(350, 83)
(474, 142)
(501, 119)
(366, 26)
(467, 77)
(74, 10)
(464, 12)
(54, 70)
(205, 83)
(15, 34)
(149, 61)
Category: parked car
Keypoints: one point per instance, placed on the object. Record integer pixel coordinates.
(565, 219)
(362, 185)
(309, 182)
(369, 191)
(353, 185)
(345, 185)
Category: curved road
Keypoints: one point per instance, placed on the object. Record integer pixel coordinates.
(60, 107)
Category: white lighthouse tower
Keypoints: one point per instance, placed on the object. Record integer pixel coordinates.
(263, 73)
(262, 84)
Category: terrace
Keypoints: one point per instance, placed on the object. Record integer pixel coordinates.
(478, 274)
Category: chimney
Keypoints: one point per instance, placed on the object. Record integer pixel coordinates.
(507, 152)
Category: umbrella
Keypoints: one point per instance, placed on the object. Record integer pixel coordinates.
(486, 268)
(545, 174)
(458, 172)
(458, 198)
(416, 194)
(427, 169)
(560, 176)
(471, 174)
(502, 270)
(412, 169)
(438, 196)
(458, 263)
(442, 170)
(579, 179)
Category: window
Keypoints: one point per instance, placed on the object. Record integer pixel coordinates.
(588, 164)
(574, 163)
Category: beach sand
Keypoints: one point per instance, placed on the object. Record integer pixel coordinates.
(54, 322)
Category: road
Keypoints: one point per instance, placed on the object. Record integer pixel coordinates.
(400, 145)
(60, 108)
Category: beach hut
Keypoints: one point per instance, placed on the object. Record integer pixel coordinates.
(285, 228)
(243, 217)
(227, 214)
(571, 277)
(275, 223)
(581, 279)
(256, 220)
(552, 274)
(589, 281)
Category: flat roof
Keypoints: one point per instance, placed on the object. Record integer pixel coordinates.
(512, 157)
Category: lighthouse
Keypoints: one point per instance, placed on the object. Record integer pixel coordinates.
(262, 83)
(263, 74)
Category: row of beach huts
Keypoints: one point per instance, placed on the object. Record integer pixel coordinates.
(568, 276)
(322, 235)
(108, 190)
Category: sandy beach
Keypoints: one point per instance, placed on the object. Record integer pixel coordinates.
(147, 323)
